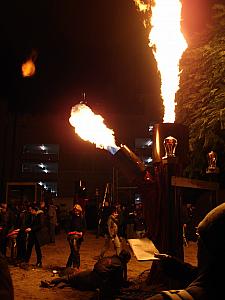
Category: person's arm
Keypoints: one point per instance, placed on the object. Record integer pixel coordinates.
(110, 228)
(176, 268)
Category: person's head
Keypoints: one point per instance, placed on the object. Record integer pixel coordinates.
(33, 209)
(114, 212)
(77, 209)
(3, 207)
(42, 205)
(211, 231)
(125, 256)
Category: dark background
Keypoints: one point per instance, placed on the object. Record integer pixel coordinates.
(98, 47)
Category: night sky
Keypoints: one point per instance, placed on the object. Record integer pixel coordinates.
(99, 47)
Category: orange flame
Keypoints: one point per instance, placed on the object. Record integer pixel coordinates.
(28, 68)
(168, 45)
(141, 5)
(90, 127)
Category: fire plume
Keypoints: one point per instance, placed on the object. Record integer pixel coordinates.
(168, 44)
(90, 127)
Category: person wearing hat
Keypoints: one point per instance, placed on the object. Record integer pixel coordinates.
(75, 234)
(208, 282)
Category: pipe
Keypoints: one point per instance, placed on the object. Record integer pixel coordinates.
(129, 163)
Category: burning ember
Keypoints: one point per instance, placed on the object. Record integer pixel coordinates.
(90, 127)
(28, 68)
(168, 45)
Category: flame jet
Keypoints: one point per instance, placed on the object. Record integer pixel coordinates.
(91, 127)
(168, 44)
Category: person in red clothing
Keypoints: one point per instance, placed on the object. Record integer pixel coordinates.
(75, 234)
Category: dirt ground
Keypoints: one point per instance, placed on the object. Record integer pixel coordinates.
(27, 282)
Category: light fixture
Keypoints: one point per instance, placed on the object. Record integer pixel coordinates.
(170, 144)
(42, 147)
(212, 159)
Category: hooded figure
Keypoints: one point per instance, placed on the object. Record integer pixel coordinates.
(209, 282)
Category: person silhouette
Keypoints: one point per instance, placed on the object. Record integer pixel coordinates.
(208, 282)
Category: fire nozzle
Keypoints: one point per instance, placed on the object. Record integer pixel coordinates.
(129, 163)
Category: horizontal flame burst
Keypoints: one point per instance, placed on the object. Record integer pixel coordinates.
(90, 127)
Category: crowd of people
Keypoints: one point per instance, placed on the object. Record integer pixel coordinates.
(25, 226)
(109, 273)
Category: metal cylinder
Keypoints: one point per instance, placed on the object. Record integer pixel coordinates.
(129, 163)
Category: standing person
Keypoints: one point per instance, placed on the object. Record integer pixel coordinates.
(75, 234)
(21, 240)
(123, 216)
(112, 234)
(6, 224)
(140, 227)
(52, 218)
(35, 234)
(104, 214)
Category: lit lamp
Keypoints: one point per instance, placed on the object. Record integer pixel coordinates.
(212, 159)
(170, 144)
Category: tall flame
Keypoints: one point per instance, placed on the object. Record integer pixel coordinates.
(168, 45)
(90, 127)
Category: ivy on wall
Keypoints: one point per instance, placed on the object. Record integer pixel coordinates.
(201, 97)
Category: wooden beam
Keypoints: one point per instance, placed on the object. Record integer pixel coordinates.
(21, 183)
(194, 183)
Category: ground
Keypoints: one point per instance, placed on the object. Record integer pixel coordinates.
(27, 282)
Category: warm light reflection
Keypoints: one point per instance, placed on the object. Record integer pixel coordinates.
(90, 127)
(168, 44)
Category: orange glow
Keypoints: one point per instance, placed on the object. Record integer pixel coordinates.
(168, 44)
(141, 5)
(157, 143)
(28, 68)
(90, 127)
